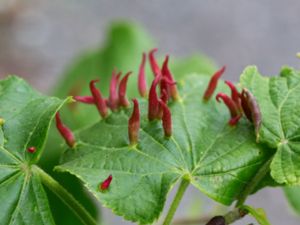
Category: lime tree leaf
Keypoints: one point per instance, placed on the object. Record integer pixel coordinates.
(122, 49)
(259, 214)
(217, 159)
(292, 194)
(26, 117)
(278, 98)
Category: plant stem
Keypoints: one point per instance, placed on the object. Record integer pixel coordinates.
(191, 221)
(234, 215)
(65, 196)
(229, 217)
(181, 189)
(254, 182)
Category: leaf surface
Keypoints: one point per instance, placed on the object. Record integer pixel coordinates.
(27, 116)
(122, 49)
(278, 98)
(217, 159)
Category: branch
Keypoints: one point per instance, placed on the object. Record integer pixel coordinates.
(186, 221)
(227, 219)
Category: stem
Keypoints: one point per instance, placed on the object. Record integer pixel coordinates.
(229, 218)
(254, 182)
(65, 196)
(234, 215)
(183, 185)
(188, 221)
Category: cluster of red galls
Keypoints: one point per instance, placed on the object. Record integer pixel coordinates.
(157, 104)
(238, 104)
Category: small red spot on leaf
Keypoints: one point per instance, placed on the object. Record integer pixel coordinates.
(31, 149)
(106, 183)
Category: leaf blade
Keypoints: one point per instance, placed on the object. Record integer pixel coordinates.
(278, 101)
(193, 152)
(27, 115)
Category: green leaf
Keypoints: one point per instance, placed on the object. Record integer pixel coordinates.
(259, 214)
(217, 159)
(123, 49)
(27, 116)
(293, 196)
(278, 98)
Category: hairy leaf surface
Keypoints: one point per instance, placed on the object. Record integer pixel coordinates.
(27, 115)
(123, 47)
(217, 159)
(278, 98)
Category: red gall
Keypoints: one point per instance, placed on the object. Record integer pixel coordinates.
(134, 123)
(65, 132)
(213, 84)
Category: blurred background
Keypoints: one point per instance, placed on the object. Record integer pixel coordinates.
(39, 40)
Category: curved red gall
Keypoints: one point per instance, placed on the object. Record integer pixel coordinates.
(154, 66)
(251, 107)
(84, 99)
(65, 132)
(213, 84)
(166, 119)
(134, 123)
(153, 103)
(113, 99)
(142, 84)
(229, 103)
(99, 100)
(166, 73)
(123, 101)
(235, 95)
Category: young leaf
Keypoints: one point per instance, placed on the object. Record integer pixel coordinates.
(278, 99)
(123, 47)
(218, 159)
(27, 116)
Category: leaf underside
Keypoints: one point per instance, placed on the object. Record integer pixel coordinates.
(218, 159)
(27, 116)
(278, 98)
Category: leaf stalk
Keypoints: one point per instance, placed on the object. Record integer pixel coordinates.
(180, 192)
(65, 196)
